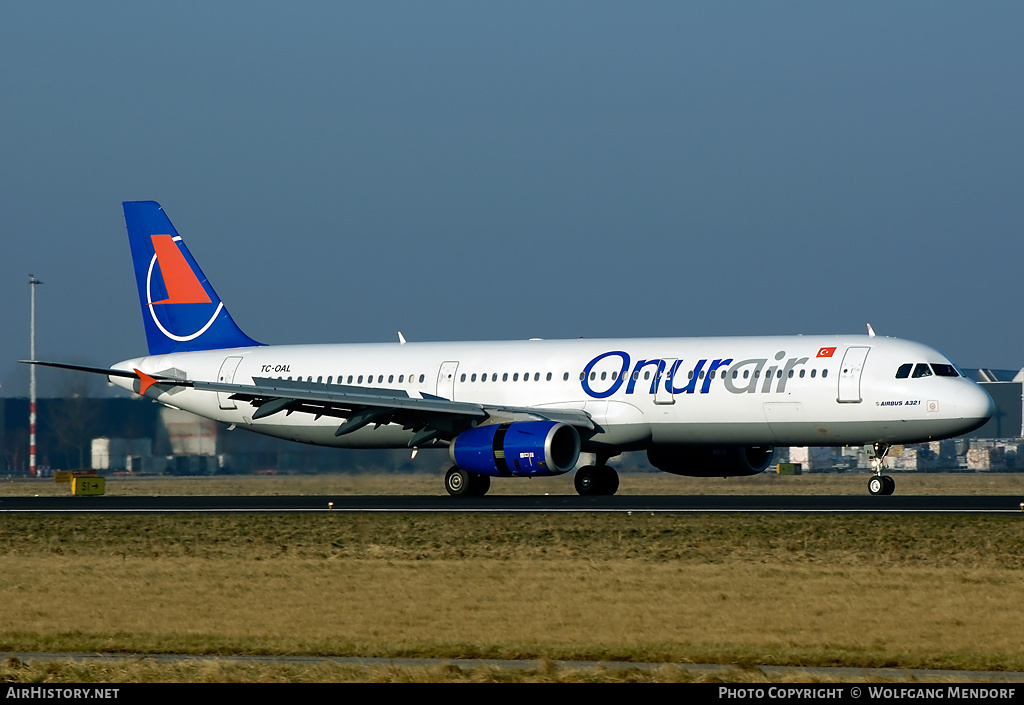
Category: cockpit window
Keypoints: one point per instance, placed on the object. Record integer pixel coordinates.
(922, 370)
(945, 370)
(904, 371)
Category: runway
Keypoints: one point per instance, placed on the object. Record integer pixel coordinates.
(541, 504)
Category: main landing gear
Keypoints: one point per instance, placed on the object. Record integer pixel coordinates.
(590, 481)
(461, 483)
(880, 484)
(595, 480)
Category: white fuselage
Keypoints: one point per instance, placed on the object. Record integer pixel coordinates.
(793, 390)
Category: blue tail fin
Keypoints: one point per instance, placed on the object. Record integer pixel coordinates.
(181, 311)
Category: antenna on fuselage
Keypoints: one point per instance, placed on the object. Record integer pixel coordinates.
(401, 338)
(871, 331)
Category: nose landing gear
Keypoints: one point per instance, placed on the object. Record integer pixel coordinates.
(880, 484)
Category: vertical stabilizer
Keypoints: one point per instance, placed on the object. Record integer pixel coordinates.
(180, 309)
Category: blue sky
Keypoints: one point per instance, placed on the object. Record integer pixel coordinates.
(467, 170)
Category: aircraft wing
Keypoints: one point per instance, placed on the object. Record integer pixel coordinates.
(431, 417)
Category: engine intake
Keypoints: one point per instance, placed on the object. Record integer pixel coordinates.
(711, 461)
(521, 448)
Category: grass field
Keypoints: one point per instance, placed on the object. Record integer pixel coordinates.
(866, 591)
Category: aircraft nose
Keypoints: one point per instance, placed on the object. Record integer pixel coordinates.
(973, 402)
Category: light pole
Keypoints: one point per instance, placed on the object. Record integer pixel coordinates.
(32, 282)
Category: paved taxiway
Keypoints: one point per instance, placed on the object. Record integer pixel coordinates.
(757, 504)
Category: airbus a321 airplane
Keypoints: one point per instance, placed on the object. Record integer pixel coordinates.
(698, 406)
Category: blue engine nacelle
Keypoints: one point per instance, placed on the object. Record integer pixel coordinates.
(520, 449)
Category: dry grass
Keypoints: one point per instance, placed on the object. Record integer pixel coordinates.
(559, 609)
(860, 590)
(199, 670)
(866, 591)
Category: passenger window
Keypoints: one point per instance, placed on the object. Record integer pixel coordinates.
(401, 378)
(824, 374)
(814, 373)
(463, 378)
(391, 378)
(421, 378)
(504, 377)
(515, 377)
(904, 371)
(922, 370)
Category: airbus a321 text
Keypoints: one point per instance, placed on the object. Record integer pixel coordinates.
(696, 406)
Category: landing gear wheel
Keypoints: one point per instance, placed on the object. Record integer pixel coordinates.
(875, 485)
(478, 485)
(587, 481)
(461, 483)
(610, 480)
(457, 482)
(881, 485)
(890, 485)
(591, 481)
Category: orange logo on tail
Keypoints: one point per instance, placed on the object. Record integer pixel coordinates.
(182, 285)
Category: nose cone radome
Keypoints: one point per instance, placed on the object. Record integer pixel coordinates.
(974, 405)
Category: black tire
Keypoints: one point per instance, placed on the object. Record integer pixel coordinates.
(876, 485)
(587, 481)
(458, 482)
(609, 481)
(478, 485)
(890, 485)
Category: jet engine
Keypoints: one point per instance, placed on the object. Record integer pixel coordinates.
(711, 461)
(521, 448)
